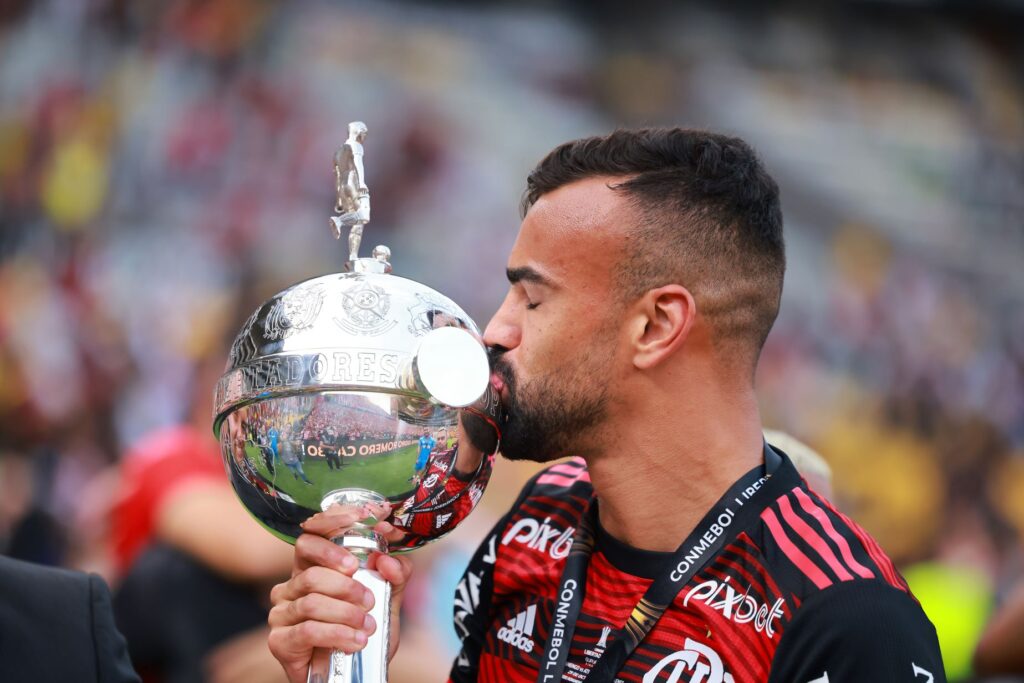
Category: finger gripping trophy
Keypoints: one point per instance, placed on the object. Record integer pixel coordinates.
(358, 388)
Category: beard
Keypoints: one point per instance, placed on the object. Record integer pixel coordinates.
(554, 416)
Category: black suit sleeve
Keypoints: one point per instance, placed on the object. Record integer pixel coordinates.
(109, 647)
(858, 631)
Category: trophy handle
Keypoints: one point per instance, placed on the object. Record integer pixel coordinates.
(369, 665)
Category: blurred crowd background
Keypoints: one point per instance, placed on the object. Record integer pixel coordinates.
(166, 166)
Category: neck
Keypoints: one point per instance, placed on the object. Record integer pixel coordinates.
(662, 476)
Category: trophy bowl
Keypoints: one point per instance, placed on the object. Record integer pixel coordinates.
(336, 392)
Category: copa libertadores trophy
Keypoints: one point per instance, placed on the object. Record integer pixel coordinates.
(358, 388)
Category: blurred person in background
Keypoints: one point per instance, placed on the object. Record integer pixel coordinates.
(808, 462)
(1000, 650)
(57, 625)
(656, 395)
(194, 567)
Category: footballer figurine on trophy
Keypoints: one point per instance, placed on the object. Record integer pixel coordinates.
(358, 388)
(353, 194)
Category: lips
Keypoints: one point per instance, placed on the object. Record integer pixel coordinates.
(500, 388)
(502, 379)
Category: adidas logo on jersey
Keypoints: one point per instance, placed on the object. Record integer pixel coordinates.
(518, 631)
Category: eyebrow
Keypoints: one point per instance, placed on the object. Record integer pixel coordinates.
(526, 274)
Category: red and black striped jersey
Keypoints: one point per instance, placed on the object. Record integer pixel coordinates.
(443, 498)
(801, 595)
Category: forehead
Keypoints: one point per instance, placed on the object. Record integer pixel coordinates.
(574, 232)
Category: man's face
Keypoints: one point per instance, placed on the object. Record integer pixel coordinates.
(554, 339)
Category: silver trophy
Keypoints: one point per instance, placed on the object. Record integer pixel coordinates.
(358, 388)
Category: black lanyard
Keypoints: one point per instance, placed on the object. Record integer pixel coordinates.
(734, 511)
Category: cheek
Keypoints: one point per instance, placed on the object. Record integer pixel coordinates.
(558, 341)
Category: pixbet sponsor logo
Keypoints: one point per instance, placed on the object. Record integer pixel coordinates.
(518, 631)
(741, 608)
(696, 659)
(541, 536)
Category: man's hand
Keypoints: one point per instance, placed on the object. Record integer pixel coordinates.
(322, 606)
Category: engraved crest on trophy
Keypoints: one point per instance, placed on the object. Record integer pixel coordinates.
(365, 307)
(243, 348)
(294, 312)
(429, 314)
(358, 388)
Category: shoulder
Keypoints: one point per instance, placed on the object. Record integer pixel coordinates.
(26, 582)
(566, 476)
(858, 630)
(812, 546)
(544, 517)
(855, 607)
(42, 604)
(847, 604)
(41, 607)
(564, 485)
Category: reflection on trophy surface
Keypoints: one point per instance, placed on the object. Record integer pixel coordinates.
(358, 388)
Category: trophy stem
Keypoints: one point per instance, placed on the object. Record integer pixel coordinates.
(369, 665)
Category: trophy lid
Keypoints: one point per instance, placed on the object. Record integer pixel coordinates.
(356, 331)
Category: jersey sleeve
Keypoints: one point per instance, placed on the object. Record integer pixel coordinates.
(472, 607)
(858, 631)
(472, 615)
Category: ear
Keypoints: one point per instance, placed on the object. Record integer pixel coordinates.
(664, 319)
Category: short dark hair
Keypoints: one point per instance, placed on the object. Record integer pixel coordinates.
(708, 218)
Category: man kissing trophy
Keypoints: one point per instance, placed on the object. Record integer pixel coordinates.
(359, 389)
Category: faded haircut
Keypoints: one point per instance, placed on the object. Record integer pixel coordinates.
(706, 216)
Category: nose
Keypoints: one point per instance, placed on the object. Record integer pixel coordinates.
(503, 330)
